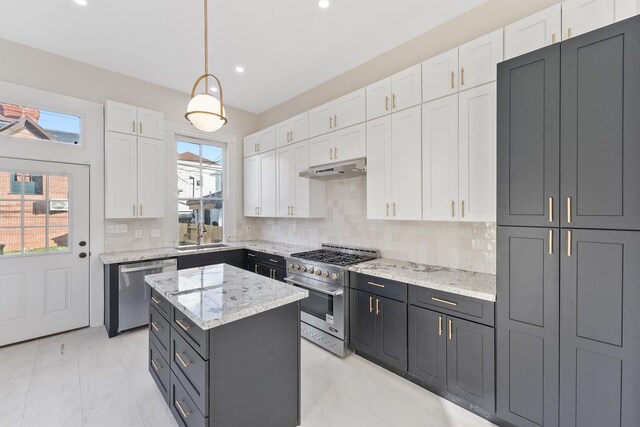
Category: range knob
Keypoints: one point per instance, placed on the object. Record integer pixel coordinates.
(311, 270)
(318, 272)
(297, 267)
(290, 266)
(334, 276)
(325, 274)
(304, 269)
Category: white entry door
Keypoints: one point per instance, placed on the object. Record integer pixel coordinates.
(44, 242)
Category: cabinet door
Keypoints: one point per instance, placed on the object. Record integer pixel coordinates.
(321, 120)
(283, 134)
(121, 118)
(250, 145)
(528, 325)
(600, 105)
(533, 32)
(600, 295)
(267, 139)
(321, 149)
(479, 58)
(440, 75)
(379, 168)
(251, 185)
(151, 170)
(285, 181)
(626, 9)
(478, 154)
(304, 188)
(363, 331)
(267, 184)
(300, 127)
(121, 165)
(349, 110)
(379, 99)
(440, 159)
(391, 332)
(406, 164)
(406, 87)
(150, 124)
(582, 16)
(428, 346)
(470, 362)
(350, 143)
(529, 139)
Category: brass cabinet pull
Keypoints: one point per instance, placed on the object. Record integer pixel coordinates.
(184, 413)
(452, 80)
(140, 128)
(140, 210)
(335, 121)
(153, 325)
(387, 209)
(293, 211)
(568, 210)
(331, 153)
(462, 76)
(377, 306)
(335, 153)
(370, 304)
(156, 300)
(184, 363)
(444, 301)
(134, 210)
(550, 209)
(450, 329)
(553, 38)
(453, 209)
(439, 326)
(394, 208)
(462, 208)
(393, 103)
(133, 126)
(292, 136)
(330, 122)
(550, 242)
(386, 103)
(569, 32)
(155, 366)
(251, 255)
(273, 260)
(255, 268)
(182, 325)
(569, 238)
(375, 284)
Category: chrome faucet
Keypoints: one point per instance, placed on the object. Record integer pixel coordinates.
(201, 231)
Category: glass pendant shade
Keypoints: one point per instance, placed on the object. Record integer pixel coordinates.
(204, 113)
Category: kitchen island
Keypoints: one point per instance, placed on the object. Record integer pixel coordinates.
(224, 346)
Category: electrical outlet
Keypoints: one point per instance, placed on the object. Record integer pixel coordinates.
(138, 234)
(121, 228)
(247, 228)
(110, 229)
(155, 233)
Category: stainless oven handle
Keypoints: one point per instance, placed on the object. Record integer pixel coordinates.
(305, 285)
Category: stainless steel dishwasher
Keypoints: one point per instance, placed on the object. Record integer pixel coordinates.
(134, 293)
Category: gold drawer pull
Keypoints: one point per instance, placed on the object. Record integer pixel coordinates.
(569, 239)
(155, 366)
(377, 306)
(251, 255)
(182, 324)
(386, 103)
(185, 363)
(439, 326)
(450, 329)
(444, 301)
(550, 242)
(370, 304)
(550, 209)
(153, 325)
(184, 413)
(273, 260)
(156, 300)
(375, 284)
(568, 210)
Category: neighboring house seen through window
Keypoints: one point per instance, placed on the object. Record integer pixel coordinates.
(37, 124)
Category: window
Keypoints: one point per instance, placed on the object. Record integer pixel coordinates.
(200, 192)
(34, 213)
(34, 123)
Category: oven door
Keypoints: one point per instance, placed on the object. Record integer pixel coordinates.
(324, 308)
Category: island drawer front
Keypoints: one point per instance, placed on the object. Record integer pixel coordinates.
(473, 309)
(160, 329)
(383, 287)
(274, 260)
(254, 255)
(194, 376)
(159, 302)
(198, 338)
(159, 369)
(183, 408)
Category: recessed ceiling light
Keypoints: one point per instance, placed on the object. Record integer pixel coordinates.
(240, 69)
(323, 4)
(80, 2)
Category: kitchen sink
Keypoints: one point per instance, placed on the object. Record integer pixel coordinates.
(200, 247)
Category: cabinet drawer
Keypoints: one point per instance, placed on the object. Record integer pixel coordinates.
(274, 260)
(196, 337)
(159, 369)
(182, 406)
(253, 256)
(383, 287)
(160, 329)
(192, 371)
(163, 306)
(457, 305)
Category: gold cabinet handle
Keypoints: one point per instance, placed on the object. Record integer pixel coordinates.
(155, 327)
(155, 365)
(569, 239)
(375, 284)
(331, 153)
(273, 260)
(462, 208)
(462, 76)
(394, 208)
(255, 268)
(450, 329)
(377, 306)
(184, 363)
(182, 325)
(439, 326)
(133, 126)
(156, 300)
(335, 121)
(370, 304)
(293, 211)
(335, 153)
(550, 209)
(330, 122)
(568, 210)
(453, 209)
(393, 102)
(184, 413)
(387, 209)
(134, 210)
(453, 76)
(386, 103)
(550, 242)
(569, 32)
(553, 38)
(251, 255)
(140, 126)
(444, 301)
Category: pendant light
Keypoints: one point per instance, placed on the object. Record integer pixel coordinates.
(205, 111)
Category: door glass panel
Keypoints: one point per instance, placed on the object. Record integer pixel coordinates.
(35, 213)
(58, 187)
(10, 241)
(318, 305)
(10, 185)
(58, 238)
(35, 239)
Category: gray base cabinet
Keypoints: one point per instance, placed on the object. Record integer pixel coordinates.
(428, 346)
(271, 266)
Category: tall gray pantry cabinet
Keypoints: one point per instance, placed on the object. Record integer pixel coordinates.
(568, 273)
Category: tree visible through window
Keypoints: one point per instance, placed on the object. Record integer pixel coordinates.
(200, 192)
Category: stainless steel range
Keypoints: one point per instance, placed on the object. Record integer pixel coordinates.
(325, 314)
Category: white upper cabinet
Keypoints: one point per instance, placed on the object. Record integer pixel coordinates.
(297, 197)
(379, 99)
(121, 175)
(582, 16)
(124, 118)
(477, 145)
(440, 159)
(341, 113)
(398, 92)
(321, 120)
(260, 185)
(533, 32)
(293, 130)
(440, 75)
(626, 9)
(251, 185)
(260, 142)
(342, 145)
(479, 58)
(150, 178)
(379, 173)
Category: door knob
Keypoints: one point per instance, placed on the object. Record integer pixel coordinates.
(83, 255)
(83, 243)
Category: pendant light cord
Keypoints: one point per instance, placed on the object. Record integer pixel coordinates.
(206, 46)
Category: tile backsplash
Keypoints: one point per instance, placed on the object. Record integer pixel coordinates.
(139, 234)
(468, 246)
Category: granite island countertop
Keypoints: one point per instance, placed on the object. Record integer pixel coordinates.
(218, 294)
(273, 248)
(467, 283)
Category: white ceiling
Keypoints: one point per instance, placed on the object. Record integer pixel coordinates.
(286, 46)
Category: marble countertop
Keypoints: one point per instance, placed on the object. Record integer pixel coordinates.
(274, 248)
(460, 282)
(218, 294)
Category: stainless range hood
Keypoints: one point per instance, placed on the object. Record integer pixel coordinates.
(341, 170)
